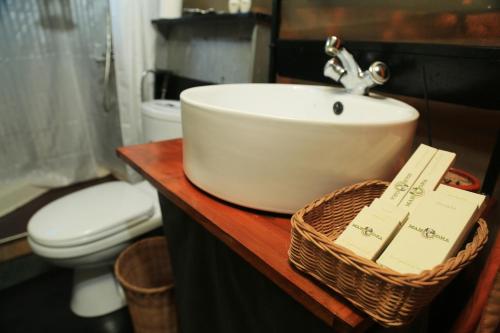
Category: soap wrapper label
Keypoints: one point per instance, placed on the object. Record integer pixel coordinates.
(408, 174)
(432, 234)
(429, 179)
(369, 232)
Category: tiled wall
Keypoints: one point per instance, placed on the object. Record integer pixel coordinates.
(231, 51)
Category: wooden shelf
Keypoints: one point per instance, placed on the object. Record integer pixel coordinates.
(260, 238)
(164, 25)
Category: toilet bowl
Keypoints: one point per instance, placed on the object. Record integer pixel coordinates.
(87, 229)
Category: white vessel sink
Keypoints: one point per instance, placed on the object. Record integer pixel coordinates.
(276, 147)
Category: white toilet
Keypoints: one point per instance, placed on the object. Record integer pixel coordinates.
(87, 229)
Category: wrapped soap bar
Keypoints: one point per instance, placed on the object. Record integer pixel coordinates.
(477, 199)
(429, 179)
(370, 232)
(432, 234)
(398, 213)
(408, 174)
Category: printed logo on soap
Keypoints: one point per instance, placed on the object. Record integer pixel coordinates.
(429, 233)
(401, 187)
(416, 192)
(367, 231)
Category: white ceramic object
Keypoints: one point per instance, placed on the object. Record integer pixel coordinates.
(245, 6)
(100, 284)
(161, 120)
(277, 147)
(170, 9)
(86, 230)
(96, 213)
(59, 234)
(233, 6)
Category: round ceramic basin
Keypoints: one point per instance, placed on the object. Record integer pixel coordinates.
(277, 147)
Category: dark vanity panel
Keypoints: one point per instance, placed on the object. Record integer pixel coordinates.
(218, 291)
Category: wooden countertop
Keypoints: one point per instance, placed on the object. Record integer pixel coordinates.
(261, 238)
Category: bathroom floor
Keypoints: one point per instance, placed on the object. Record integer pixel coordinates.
(42, 305)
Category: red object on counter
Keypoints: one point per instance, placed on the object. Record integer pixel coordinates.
(461, 179)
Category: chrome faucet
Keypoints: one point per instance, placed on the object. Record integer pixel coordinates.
(344, 69)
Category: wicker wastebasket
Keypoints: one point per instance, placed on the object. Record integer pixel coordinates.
(144, 271)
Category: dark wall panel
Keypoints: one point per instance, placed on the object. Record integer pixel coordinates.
(453, 74)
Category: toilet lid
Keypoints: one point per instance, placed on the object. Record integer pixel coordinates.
(163, 109)
(90, 214)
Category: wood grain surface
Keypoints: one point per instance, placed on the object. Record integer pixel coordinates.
(261, 238)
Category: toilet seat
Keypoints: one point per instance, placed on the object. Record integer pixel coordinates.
(90, 214)
(147, 217)
(102, 244)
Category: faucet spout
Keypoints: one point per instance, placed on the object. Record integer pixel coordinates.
(344, 69)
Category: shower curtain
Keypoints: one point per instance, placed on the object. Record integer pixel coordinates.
(60, 120)
(54, 130)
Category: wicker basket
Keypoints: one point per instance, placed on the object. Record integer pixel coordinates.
(390, 298)
(144, 271)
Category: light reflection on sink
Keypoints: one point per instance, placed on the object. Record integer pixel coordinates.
(276, 147)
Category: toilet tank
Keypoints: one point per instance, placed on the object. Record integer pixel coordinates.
(161, 120)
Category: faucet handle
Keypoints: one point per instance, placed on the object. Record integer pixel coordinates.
(332, 46)
(334, 70)
(379, 72)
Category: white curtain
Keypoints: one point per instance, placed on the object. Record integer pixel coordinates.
(133, 46)
(50, 98)
(134, 52)
(54, 130)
